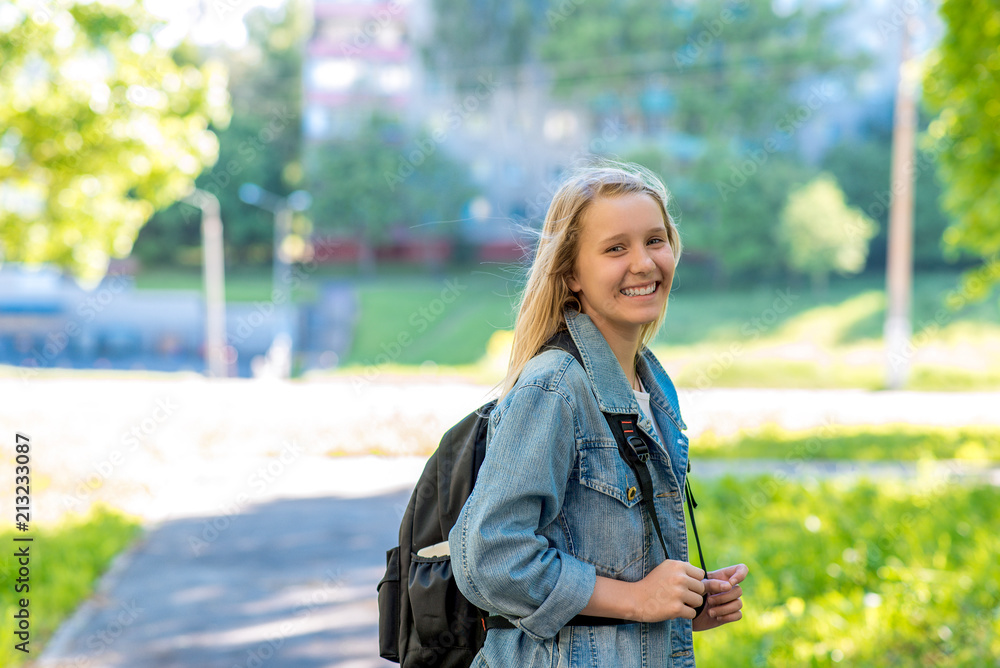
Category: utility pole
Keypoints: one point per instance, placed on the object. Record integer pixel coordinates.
(899, 260)
(281, 292)
(213, 278)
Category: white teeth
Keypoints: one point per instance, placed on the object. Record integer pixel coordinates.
(636, 292)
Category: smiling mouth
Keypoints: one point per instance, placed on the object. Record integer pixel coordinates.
(641, 291)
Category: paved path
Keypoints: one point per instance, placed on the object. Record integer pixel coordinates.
(288, 582)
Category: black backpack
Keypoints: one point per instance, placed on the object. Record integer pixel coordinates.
(424, 620)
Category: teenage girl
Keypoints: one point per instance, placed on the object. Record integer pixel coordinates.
(554, 527)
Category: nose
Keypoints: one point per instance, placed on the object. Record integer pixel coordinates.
(642, 262)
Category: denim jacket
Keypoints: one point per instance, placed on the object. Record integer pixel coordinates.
(552, 509)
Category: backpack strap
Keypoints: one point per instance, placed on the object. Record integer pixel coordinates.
(499, 622)
(633, 449)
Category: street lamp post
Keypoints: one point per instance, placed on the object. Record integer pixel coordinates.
(213, 278)
(282, 208)
(899, 253)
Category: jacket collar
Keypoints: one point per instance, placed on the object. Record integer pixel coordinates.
(613, 392)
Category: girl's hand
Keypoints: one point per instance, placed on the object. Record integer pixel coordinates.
(671, 590)
(724, 598)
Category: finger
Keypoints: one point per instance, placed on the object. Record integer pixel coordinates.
(697, 586)
(739, 574)
(735, 617)
(730, 595)
(694, 571)
(713, 586)
(725, 609)
(738, 571)
(691, 600)
(716, 600)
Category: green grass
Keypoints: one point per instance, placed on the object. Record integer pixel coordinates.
(242, 284)
(758, 336)
(855, 574)
(894, 442)
(66, 561)
(447, 321)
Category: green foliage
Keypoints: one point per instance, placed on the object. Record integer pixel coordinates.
(894, 442)
(386, 178)
(66, 562)
(857, 574)
(99, 127)
(734, 225)
(720, 68)
(862, 170)
(963, 84)
(262, 144)
(471, 38)
(822, 233)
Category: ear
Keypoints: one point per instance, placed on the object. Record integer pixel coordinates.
(572, 283)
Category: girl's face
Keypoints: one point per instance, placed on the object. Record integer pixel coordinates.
(624, 266)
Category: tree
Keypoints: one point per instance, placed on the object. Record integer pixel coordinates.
(262, 144)
(731, 231)
(470, 37)
(712, 68)
(822, 233)
(722, 86)
(862, 170)
(963, 84)
(100, 127)
(386, 178)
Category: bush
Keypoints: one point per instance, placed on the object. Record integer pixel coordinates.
(893, 574)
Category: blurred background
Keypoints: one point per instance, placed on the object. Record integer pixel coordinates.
(292, 235)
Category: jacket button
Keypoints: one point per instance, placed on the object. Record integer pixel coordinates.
(631, 493)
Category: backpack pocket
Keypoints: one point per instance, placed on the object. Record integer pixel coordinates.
(443, 617)
(388, 608)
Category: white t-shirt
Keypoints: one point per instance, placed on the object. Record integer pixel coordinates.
(643, 399)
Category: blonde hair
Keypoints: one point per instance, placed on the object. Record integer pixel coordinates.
(546, 293)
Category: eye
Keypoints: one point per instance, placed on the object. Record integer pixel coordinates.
(655, 240)
(615, 248)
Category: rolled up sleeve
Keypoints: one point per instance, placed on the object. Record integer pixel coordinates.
(499, 560)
